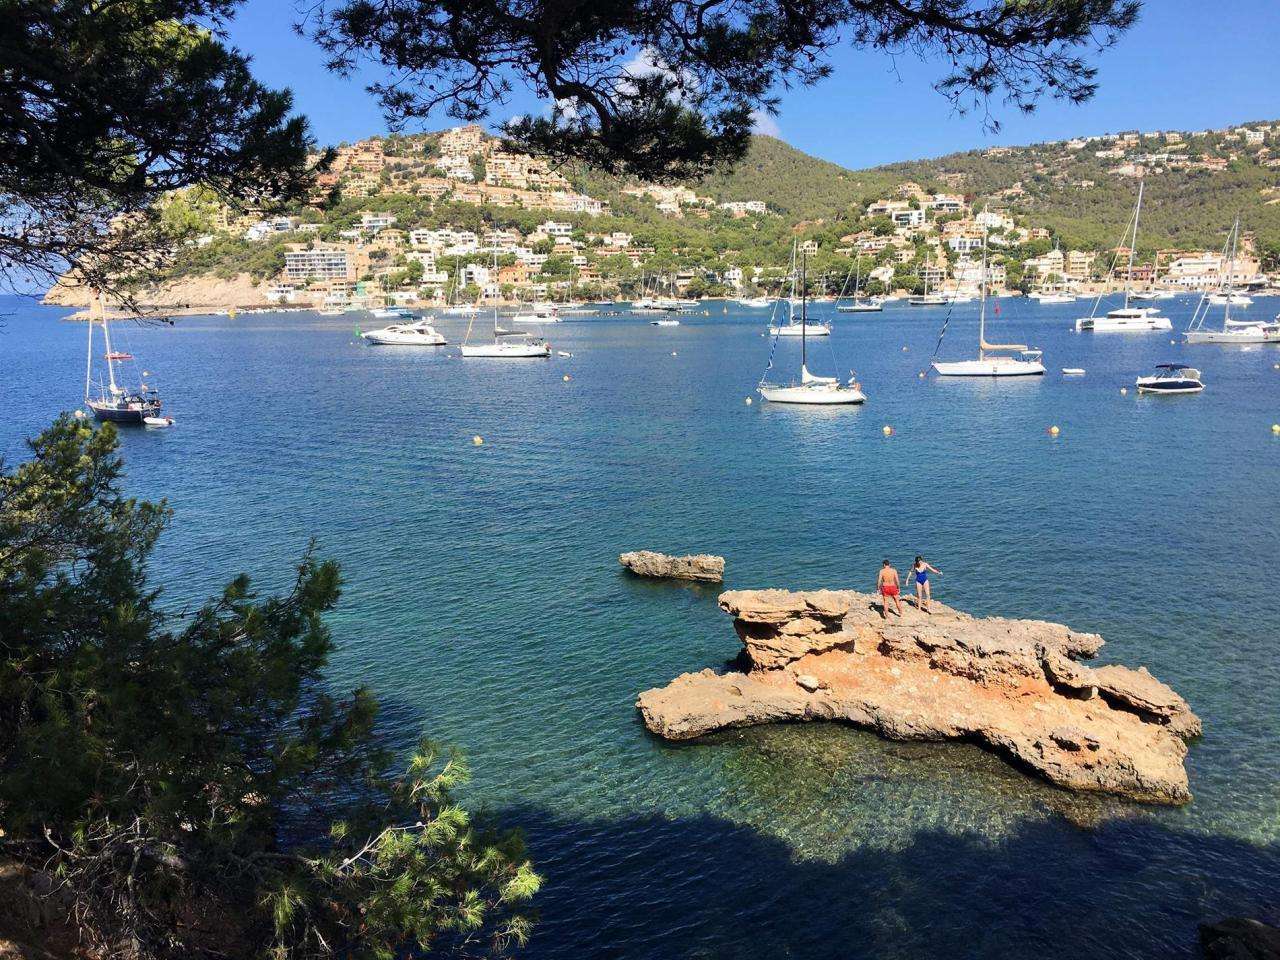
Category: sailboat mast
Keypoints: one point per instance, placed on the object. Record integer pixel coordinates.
(1133, 247)
(982, 308)
(1231, 269)
(111, 364)
(88, 360)
(804, 315)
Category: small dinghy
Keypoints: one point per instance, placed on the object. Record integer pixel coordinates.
(1073, 371)
(157, 422)
(564, 353)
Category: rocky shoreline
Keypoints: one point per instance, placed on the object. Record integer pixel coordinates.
(1017, 687)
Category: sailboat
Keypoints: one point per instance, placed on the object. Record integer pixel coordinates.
(1126, 319)
(927, 299)
(113, 402)
(858, 305)
(510, 348)
(812, 389)
(806, 327)
(994, 359)
(1232, 331)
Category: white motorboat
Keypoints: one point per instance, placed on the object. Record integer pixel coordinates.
(755, 303)
(665, 322)
(1171, 378)
(418, 334)
(812, 390)
(1231, 331)
(1051, 296)
(461, 310)
(1073, 371)
(113, 402)
(1226, 298)
(1126, 319)
(994, 359)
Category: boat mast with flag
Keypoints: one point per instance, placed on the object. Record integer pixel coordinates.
(812, 389)
(112, 401)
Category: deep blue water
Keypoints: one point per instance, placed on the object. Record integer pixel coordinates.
(483, 601)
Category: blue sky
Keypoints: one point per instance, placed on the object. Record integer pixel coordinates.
(1188, 64)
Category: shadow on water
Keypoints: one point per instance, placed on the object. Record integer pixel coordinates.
(703, 887)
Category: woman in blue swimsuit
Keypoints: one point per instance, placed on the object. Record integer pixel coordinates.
(920, 571)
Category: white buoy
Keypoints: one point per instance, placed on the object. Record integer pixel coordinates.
(1054, 431)
(1123, 391)
(566, 378)
(887, 430)
(904, 349)
(921, 374)
(1275, 428)
(673, 353)
(478, 440)
(748, 401)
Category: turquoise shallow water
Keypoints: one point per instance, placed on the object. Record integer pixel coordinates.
(484, 604)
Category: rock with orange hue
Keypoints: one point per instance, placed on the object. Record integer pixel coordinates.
(1016, 686)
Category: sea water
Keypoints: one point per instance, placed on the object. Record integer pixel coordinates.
(484, 603)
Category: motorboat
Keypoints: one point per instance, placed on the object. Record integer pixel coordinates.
(1073, 371)
(1126, 319)
(664, 322)
(461, 310)
(419, 334)
(1051, 296)
(994, 359)
(114, 403)
(812, 390)
(1226, 298)
(755, 303)
(1171, 378)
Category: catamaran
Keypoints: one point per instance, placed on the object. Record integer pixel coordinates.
(812, 389)
(994, 359)
(113, 402)
(1126, 319)
(1232, 331)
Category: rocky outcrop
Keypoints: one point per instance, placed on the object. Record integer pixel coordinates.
(647, 563)
(1240, 939)
(1016, 686)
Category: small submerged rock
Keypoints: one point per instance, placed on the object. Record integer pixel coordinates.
(1240, 939)
(1016, 686)
(647, 563)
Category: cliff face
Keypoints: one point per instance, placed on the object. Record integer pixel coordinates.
(192, 294)
(1016, 686)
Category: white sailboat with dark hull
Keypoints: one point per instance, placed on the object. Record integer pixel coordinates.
(812, 390)
(1231, 331)
(1126, 319)
(994, 359)
(111, 402)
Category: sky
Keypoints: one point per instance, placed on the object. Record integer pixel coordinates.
(1187, 65)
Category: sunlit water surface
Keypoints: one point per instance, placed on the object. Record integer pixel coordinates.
(484, 602)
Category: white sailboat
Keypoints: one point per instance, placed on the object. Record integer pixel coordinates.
(805, 327)
(1232, 331)
(994, 359)
(114, 403)
(514, 347)
(859, 305)
(927, 299)
(812, 390)
(1126, 319)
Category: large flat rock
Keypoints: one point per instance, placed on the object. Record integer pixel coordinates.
(648, 563)
(1013, 685)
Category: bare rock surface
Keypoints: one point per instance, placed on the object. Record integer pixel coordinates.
(1016, 686)
(647, 563)
(1238, 938)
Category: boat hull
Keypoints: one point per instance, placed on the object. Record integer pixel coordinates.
(1169, 386)
(1243, 336)
(797, 330)
(824, 395)
(507, 351)
(1123, 324)
(999, 367)
(111, 414)
(401, 340)
(860, 308)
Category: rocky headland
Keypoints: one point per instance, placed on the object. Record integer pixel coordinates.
(647, 563)
(1015, 686)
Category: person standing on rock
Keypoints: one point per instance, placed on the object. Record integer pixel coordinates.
(888, 584)
(920, 570)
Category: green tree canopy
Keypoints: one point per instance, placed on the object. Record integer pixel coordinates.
(170, 775)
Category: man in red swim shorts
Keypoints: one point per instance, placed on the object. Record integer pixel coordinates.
(887, 584)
